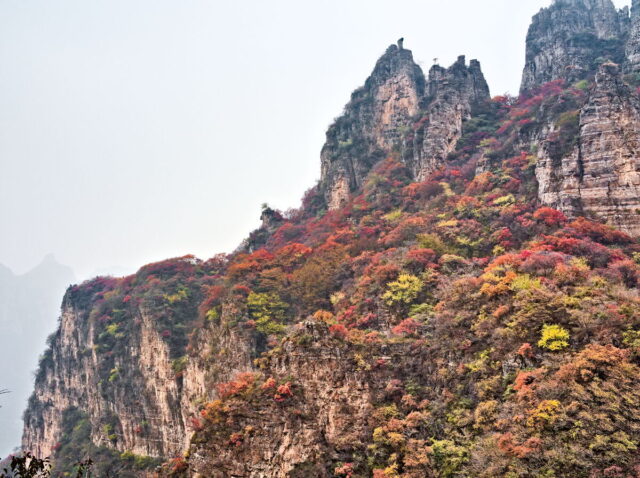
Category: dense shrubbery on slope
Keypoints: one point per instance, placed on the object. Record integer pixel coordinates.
(530, 320)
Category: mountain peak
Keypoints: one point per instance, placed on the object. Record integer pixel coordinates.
(380, 118)
(569, 39)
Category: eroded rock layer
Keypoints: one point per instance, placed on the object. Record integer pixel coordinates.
(399, 111)
(601, 175)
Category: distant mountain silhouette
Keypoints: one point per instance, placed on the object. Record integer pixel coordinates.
(29, 307)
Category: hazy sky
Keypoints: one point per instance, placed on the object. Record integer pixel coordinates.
(135, 130)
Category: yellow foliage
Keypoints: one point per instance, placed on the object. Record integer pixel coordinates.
(449, 223)
(405, 290)
(545, 414)
(554, 337)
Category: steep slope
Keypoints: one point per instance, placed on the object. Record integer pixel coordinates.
(395, 99)
(600, 175)
(570, 38)
(425, 313)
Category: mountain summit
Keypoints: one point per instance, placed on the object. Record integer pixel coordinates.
(395, 99)
(571, 38)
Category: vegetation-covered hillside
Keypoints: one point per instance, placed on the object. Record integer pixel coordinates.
(498, 337)
(427, 312)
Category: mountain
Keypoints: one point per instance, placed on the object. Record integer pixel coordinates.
(396, 97)
(458, 296)
(28, 307)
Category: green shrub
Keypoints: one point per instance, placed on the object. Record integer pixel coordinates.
(268, 311)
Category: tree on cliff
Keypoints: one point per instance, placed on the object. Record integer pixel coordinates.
(26, 465)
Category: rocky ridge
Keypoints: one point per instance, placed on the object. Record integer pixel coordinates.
(398, 110)
(571, 38)
(600, 177)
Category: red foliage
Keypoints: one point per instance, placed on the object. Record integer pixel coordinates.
(597, 254)
(599, 232)
(526, 351)
(178, 465)
(283, 392)
(542, 262)
(628, 272)
(212, 296)
(507, 443)
(526, 383)
(241, 290)
(345, 471)
(184, 265)
(339, 331)
(406, 327)
(550, 217)
(423, 257)
(247, 263)
(291, 254)
(241, 384)
(425, 190)
(236, 439)
(196, 424)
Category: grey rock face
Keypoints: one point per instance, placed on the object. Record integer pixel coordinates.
(369, 126)
(152, 407)
(451, 95)
(601, 176)
(398, 110)
(632, 50)
(571, 38)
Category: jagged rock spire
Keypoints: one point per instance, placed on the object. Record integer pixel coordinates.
(376, 119)
(451, 95)
(632, 50)
(370, 125)
(571, 38)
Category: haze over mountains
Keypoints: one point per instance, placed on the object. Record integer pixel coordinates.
(457, 297)
(29, 306)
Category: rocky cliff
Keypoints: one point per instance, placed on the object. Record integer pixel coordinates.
(463, 309)
(118, 365)
(451, 96)
(587, 157)
(570, 38)
(600, 175)
(398, 110)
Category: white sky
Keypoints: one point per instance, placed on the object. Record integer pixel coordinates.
(135, 130)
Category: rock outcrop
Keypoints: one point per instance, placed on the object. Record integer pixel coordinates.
(122, 377)
(371, 123)
(601, 175)
(571, 38)
(326, 418)
(632, 49)
(398, 110)
(450, 98)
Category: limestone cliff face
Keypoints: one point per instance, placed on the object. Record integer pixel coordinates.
(371, 122)
(146, 405)
(570, 38)
(601, 175)
(451, 95)
(398, 110)
(326, 420)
